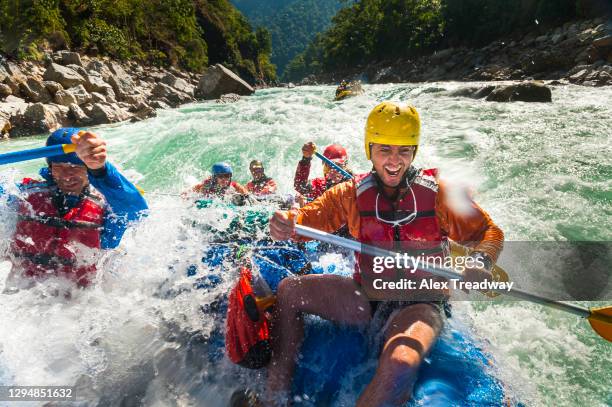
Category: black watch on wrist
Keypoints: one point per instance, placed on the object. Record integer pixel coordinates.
(484, 259)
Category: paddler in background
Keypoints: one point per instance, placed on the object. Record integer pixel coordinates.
(82, 205)
(219, 183)
(342, 87)
(393, 206)
(261, 184)
(313, 189)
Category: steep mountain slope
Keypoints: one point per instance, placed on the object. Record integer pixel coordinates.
(292, 23)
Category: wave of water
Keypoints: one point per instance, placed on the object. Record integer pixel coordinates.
(542, 171)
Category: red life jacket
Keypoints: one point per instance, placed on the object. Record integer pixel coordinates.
(208, 188)
(420, 237)
(261, 187)
(247, 335)
(46, 243)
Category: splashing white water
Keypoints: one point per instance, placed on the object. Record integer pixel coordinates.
(542, 171)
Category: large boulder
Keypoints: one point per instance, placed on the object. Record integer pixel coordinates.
(3, 73)
(104, 113)
(13, 106)
(79, 69)
(69, 58)
(15, 72)
(100, 68)
(218, 80)
(13, 83)
(95, 83)
(52, 87)
(159, 104)
(121, 82)
(473, 92)
(5, 90)
(109, 94)
(134, 99)
(141, 112)
(521, 92)
(577, 76)
(172, 96)
(5, 126)
(67, 77)
(80, 94)
(603, 42)
(64, 98)
(97, 97)
(8, 110)
(178, 84)
(546, 61)
(39, 118)
(77, 115)
(35, 91)
(154, 76)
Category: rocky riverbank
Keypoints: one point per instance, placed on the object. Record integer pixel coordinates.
(578, 52)
(69, 89)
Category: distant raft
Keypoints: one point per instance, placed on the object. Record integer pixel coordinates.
(348, 89)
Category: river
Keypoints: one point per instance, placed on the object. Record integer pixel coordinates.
(542, 171)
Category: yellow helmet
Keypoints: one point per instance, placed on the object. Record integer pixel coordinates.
(393, 124)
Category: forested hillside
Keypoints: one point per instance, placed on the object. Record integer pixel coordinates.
(377, 30)
(190, 34)
(293, 24)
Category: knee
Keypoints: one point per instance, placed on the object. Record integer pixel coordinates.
(289, 293)
(287, 288)
(400, 364)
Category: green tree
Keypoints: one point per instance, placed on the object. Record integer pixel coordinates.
(186, 33)
(376, 30)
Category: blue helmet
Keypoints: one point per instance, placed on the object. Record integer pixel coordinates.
(221, 168)
(62, 136)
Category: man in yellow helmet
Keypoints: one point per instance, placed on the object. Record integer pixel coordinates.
(395, 206)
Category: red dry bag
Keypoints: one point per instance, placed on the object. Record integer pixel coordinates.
(247, 334)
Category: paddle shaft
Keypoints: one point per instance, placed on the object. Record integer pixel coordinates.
(34, 153)
(311, 233)
(335, 166)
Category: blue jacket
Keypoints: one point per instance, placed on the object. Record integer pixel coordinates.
(125, 204)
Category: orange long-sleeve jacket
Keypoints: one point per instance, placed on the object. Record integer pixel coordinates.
(458, 215)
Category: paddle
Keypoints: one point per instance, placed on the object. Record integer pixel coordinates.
(43, 152)
(31, 154)
(335, 166)
(599, 318)
(456, 250)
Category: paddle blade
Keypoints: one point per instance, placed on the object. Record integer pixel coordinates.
(601, 322)
(499, 274)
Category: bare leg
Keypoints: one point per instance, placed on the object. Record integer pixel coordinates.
(409, 337)
(331, 297)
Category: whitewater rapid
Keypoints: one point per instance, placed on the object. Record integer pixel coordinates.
(542, 171)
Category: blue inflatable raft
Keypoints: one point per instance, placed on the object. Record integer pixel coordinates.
(336, 363)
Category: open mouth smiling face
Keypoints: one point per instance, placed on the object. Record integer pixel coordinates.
(391, 162)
